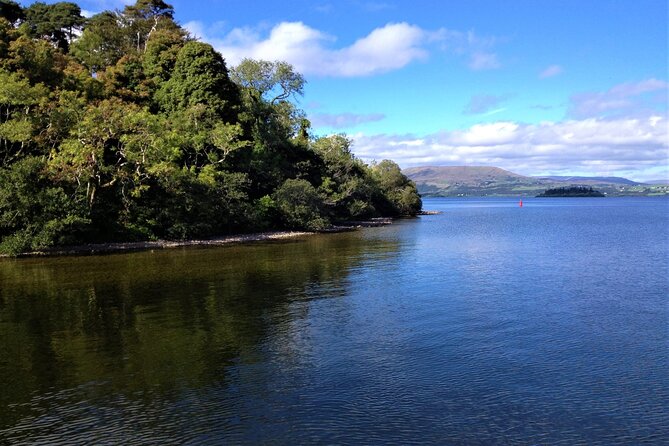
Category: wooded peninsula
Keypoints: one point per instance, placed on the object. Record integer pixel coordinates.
(123, 127)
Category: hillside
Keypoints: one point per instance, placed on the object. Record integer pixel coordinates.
(470, 175)
(454, 181)
(470, 181)
(591, 180)
(664, 182)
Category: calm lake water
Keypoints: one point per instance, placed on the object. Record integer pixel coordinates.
(486, 324)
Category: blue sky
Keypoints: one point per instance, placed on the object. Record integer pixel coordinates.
(536, 87)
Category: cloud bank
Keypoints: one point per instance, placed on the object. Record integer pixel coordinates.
(621, 131)
(313, 52)
(593, 145)
(343, 120)
(631, 98)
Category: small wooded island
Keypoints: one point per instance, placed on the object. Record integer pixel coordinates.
(571, 191)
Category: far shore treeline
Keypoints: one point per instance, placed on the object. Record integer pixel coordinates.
(122, 127)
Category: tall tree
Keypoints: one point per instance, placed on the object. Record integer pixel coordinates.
(145, 18)
(273, 81)
(398, 193)
(37, 60)
(18, 100)
(101, 44)
(200, 77)
(11, 11)
(56, 22)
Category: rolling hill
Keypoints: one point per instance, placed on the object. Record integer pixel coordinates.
(665, 182)
(592, 180)
(453, 181)
(462, 175)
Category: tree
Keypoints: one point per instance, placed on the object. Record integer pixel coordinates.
(101, 44)
(149, 9)
(300, 205)
(346, 183)
(398, 194)
(273, 81)
(266, 86)
(17, 102)
(66, 17)
(35, 213)
(126, 79)
(36, 60)
(11, 11)
(161, 53)
(200, 77)
(144, 18)
(55, 22)
(92, 155)
(108, 36)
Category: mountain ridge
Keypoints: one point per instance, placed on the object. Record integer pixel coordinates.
(495, 181)
(614, 180)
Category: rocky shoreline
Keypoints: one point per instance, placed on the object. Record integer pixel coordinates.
(107, 248)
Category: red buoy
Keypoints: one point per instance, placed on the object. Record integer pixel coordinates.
(521, 203)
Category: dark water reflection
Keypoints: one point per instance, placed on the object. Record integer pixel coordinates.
(483, 324)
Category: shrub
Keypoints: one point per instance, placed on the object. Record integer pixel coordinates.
(300, 206)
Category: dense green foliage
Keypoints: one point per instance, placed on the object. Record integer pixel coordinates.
(571, 191)
(123, 127)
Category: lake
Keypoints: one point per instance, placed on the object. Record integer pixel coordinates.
(489, 323)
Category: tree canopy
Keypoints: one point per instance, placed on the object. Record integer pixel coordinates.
(124, 127)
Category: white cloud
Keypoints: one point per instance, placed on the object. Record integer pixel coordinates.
(485, 103)
(384, 49)
(644, 97)
(377, 6)
(324, 8)
(483, 61)
(307, 49)
(313, 52)
(343, 120)
(634, 142)
(551, 71)
(595, 146)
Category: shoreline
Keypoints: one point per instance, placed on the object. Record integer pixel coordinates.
(116, 247)
(119, 247)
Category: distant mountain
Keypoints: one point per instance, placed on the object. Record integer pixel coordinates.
(469, 181)
(453, 181)
(471, 175)
(589, 180)
(665, 182)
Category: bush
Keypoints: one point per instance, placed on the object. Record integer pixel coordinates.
(398, 194)
(300, 206)
(33, 213)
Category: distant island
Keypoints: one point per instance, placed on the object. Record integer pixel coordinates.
(573, 191)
